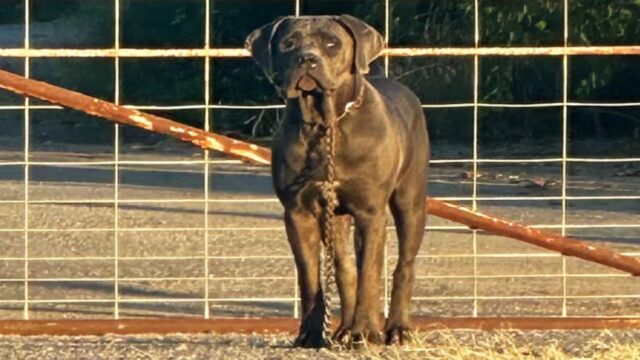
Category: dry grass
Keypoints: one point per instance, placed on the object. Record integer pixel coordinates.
(521, 345)
(458, 344)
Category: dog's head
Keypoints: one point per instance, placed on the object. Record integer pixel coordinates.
(312, 54)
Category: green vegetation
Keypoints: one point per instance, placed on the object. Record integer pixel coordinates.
(180, 23)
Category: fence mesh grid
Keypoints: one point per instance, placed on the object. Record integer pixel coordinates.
(197, 252)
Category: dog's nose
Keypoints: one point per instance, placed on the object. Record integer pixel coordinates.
(309, 58)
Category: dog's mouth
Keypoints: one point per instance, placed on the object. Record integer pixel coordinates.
(307, 83)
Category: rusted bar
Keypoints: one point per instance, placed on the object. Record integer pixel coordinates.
(122, 115)
(238, 52)
(146, 326)
(547, 240)
(527, 323)
(516, 51)
(91, 53)
(290, 325)
(262, 155)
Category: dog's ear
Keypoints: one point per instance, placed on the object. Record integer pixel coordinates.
(368, 43)
(259, 44)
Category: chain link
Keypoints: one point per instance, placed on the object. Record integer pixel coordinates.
(330, 197)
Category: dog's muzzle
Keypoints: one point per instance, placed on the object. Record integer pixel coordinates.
(309, 62)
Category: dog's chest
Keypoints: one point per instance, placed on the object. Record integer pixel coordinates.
(301, 164)
(304, 155)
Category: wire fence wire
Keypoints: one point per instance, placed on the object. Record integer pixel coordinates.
(121, 237)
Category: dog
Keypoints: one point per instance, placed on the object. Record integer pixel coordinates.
(381, 159)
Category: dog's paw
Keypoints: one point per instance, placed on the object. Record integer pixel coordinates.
(364, 338)
(310, 339)
(398, 335)
(342, 336)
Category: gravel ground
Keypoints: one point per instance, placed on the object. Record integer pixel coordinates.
(161, 265)
(161, 245)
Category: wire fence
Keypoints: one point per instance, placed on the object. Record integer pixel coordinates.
(143, 234)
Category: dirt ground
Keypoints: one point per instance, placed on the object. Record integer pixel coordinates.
(161, 245)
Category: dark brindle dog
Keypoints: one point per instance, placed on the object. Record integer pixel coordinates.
(382, 154)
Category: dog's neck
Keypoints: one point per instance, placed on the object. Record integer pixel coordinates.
(309, 108)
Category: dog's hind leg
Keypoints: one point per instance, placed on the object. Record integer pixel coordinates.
(346, 277)
(408, 209)
(303, 233)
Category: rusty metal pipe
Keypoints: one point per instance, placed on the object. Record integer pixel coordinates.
(545, 239)
(251, 152)
(290, 325)
(93, 106)
(405, 52)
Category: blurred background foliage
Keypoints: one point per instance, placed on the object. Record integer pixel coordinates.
(440, 23)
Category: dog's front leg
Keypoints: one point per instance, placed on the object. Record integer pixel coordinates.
(303, 232)
(370, 253)
(346, 278)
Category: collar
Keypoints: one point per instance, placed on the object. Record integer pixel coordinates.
(329, 110)
(354, 105)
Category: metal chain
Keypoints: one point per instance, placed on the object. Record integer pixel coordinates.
(328, 193)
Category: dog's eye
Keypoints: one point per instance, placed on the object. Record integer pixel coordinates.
(331, 43)
(288, 44)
